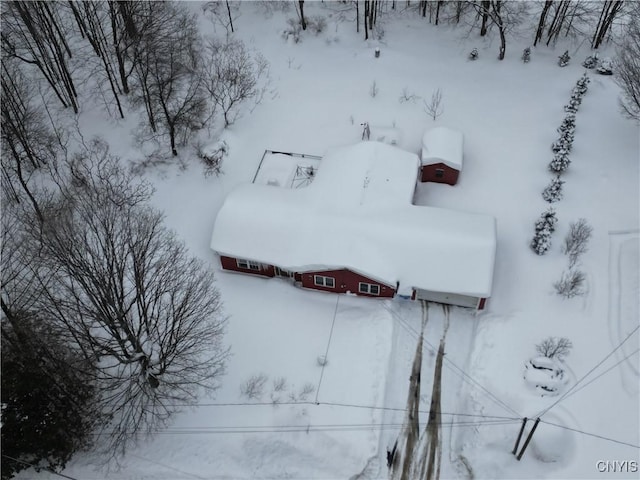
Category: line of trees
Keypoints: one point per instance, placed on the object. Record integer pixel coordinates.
(555, 19)
(107, 320)
(147, 52)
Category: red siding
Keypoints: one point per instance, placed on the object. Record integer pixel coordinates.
(346, 281)
(482, 303)
(229, 263)
(450, 175)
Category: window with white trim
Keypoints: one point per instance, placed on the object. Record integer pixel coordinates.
(369, 288)
(247, 264)
(322, 281)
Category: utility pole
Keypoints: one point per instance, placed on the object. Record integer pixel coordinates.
(526, 443)
(515, 448)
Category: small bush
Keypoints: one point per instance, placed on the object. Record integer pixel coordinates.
(408, 97)
(373, 90)
(279, 384)
(292, 30)
(253, 388)
(553, 192)
(571, 284)
(544, 227)
(541, 241)
(564, 59)
(316, 24)
(560, 162)
(473, 55)
(552, 347)
(591, 61)
(526, 55)
(576, 241)
(212, 157)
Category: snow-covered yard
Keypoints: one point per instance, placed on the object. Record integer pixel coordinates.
(508, 112)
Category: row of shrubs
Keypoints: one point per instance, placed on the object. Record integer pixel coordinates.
(559, 164)
(575, 243)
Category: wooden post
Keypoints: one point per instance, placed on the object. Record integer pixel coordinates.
(524, 422)
(526, 443)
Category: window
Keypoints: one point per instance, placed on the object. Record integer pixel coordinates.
(321, 281)
(247, 264)
(439, 172)
(369, 288)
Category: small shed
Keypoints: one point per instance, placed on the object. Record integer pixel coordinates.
(441, 156)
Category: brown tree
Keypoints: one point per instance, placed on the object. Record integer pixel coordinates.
(126, 293)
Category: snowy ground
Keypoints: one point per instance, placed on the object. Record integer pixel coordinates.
(509, 112)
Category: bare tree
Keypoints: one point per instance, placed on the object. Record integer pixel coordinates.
(553, 347)
(610, 10)
(223, 15)
(167, 66)
(28, 143)
(93, 19)
(126, 292)
(233, 75)
(570, 284)
(505, 15)
(34, 33)
(627, 67)
(434, 107)
(541, 21)
(576, 241)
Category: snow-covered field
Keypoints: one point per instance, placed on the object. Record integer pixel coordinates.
(508, 112)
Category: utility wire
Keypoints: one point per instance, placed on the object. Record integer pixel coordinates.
(458, 371)
(332, 404)
(606, 371)
(36, 467)
(307, 428)
(568, 392)
(591, 434)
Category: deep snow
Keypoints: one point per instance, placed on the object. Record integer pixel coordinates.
(508, 112)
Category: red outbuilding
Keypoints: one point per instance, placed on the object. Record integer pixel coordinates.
(441, 156)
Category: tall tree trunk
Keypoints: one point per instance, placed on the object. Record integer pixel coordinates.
(438, 12)
(231, 20)
(304, 22)
(372, 7)
(459, 6)
(485, 17)
(366, 13)
(357, 16)
(541, 22)
(612, 9)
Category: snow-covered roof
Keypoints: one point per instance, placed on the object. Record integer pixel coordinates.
(357, 214)
(443, 145)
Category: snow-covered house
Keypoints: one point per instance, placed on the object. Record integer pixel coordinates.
(441, 156)
(354, 229)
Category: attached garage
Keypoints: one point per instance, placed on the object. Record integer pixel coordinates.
(449, 298)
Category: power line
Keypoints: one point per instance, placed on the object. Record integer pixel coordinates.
(50, 470)
(192, 475)
(333, 404)
(592, 434)
(606, 371)
(254, 429)
(568, 392)
(450, 364)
